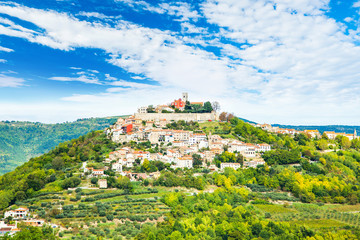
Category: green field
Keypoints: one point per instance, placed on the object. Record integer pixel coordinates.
(320, 223)
(273, 209)
(121, 216)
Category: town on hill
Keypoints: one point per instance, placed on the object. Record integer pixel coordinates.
(170, 171)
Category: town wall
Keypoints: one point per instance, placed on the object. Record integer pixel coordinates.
(197, 117)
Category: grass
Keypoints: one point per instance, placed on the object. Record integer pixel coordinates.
(320, 223)
(274, 208)
(209, 126)
(343, 208)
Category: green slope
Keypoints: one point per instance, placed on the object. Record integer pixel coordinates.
(19, 141)
(268, 208)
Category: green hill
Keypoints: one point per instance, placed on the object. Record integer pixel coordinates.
(20, 141)
(308, 189)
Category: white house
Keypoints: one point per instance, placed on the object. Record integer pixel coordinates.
(254, 163)
(230, 165)
(102, 183)
(97, 172)
(19, 213)
(196, 138)
(203, 144)
(173, 153)
(184, 162)
(141, 155)
(264, 147)
(117, 167)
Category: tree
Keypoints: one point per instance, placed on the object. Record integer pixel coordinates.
(197, 161)
(281, 157)
(70, 182)
(324, 136)
(216, 106)
(355, 143)
(222, 116)
(188, 106)
(344, 142)
(123, 183)
(57, 163)
(229, 117)
(208, 107)
(322, 144)
(8, 220)
(93, 180)
(150, 109)
(196, 108)
(146, 165)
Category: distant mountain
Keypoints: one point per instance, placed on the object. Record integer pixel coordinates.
(19, 141)
(335, 128)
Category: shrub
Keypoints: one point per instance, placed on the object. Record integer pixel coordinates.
(110, 217)
(70, 182)
(94, 180)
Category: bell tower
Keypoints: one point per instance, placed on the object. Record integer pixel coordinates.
(185, 97)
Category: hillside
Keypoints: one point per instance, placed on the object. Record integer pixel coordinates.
(301, 192)
(19, 141)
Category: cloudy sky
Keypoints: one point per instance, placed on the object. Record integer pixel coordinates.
(274, 61)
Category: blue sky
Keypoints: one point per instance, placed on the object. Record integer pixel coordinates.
(274, 61)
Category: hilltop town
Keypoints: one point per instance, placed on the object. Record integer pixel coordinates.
(178, 146)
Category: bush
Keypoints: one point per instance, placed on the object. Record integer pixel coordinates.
(70, 182)
(94, 180)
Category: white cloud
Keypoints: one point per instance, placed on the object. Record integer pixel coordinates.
(191, 28)
(3, 60)
(282, 59)
(182, 10)
(348, 19)
(138, 78)
(356, 4)
(7, 81)
(122, 83)
(82, 78)
(5, 49)
(302, 57)
(94, 15)
(110, 78)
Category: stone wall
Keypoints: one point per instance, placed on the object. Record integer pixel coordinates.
(197, 117)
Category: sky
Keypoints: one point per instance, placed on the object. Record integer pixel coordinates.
(269, 61)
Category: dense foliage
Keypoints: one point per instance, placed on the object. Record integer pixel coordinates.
(224, 215)
(19, 141)
(182, 125)
(32, 233)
